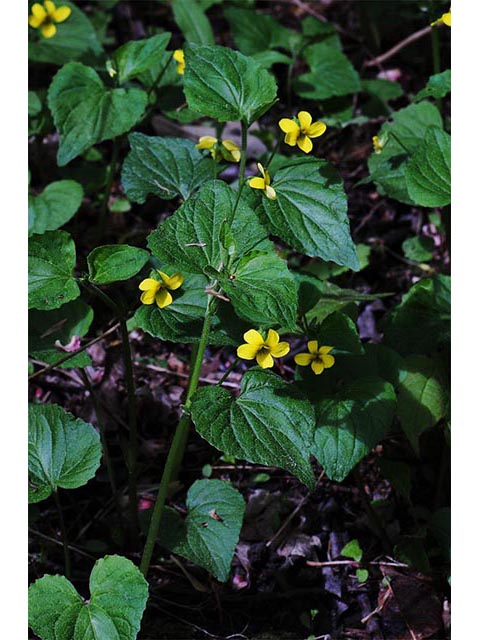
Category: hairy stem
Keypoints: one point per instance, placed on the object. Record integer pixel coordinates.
(177, 448)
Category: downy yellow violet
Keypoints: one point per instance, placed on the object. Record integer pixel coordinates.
(155, 291)
(226, 149)
(299, 130)
(318, 358)
(262, 350)
(263, 183)
(44, 18)
(179, 57)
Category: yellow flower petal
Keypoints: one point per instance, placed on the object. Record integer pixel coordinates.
(148, 297)
(312, 346)
(206, 142)
(253, 337)
(317, 129)
(317, 367)
(264, 359)
(178, 55)
(270, 193)
(34, 22)
(49, 7)
(447, 19)
(289, 126)
(149, 283)
(61, 14)
(303, 359)
(323, 350)
(48, 30)
(328, 361)
(261, 169)
(280, 350)
(305, 119)
(232, 149)
(247, 351)
(305, 144)
(292, 137)
(257, 183)
(172, 282)
(163, 298)
(39, 12)
(272, 338)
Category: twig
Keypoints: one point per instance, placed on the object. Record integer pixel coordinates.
(185, 376)
(398, 47)
(73, 353)
(354, 563)
(60, 544)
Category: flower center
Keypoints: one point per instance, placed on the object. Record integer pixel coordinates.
(265, 350)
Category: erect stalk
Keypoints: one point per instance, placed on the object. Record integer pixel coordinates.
(241, 172)
(272, 155)
(63, 529)
(177, 448)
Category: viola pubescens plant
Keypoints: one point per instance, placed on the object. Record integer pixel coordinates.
(238, 264)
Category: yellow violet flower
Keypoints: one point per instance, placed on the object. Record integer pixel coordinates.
(300, 130)
(318, 358)
(445, 19)
(377, 144)
(227, 149)
(263, 183)
(44, 18)
(262, 350)
(179, 57)
(155, 291)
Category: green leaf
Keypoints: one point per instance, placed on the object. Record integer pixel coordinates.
(268, 58)
(63, 451)
(112, 263)
(399, 474)
(331, 74)
(85, 112)
(418, 248)
(45, 328)
(226, 85)
(165, 167)
(190, 238)
(55, 206)
(118, 595)
(388, 167)
(351, 423)
(182, 320)
(192, 22)
(136, 57)
(269, 423)
(51, 260)
(421, 322)
(326, 270)
(339, 331)
(422, 400)
(323, 32)
(310, 211)
(210, 531)
(438, 86)
(428, 171)
(255, 32)
(362, 575)
(383, 90)
(75, 40)
(262, 290)
(352, 550)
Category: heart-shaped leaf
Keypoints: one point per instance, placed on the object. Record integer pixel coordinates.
(118, 595)
(269, 423)
(351, 423)
(51, 260)
(310, 211)
(85, 112)
(113, 263)
(428, 171)
(55, 206)
(192, 22)
(210, 532)
(226, 85)
(63, 451)
(331, 74)
(136, 57)
(164, 167)
(190, 239)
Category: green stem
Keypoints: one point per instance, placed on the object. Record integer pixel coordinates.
(159, 77)
(241, 172)
(108, 188)
(272, 155)
(395, 137)
(177, 447)
(228, 372)
(63, 529)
